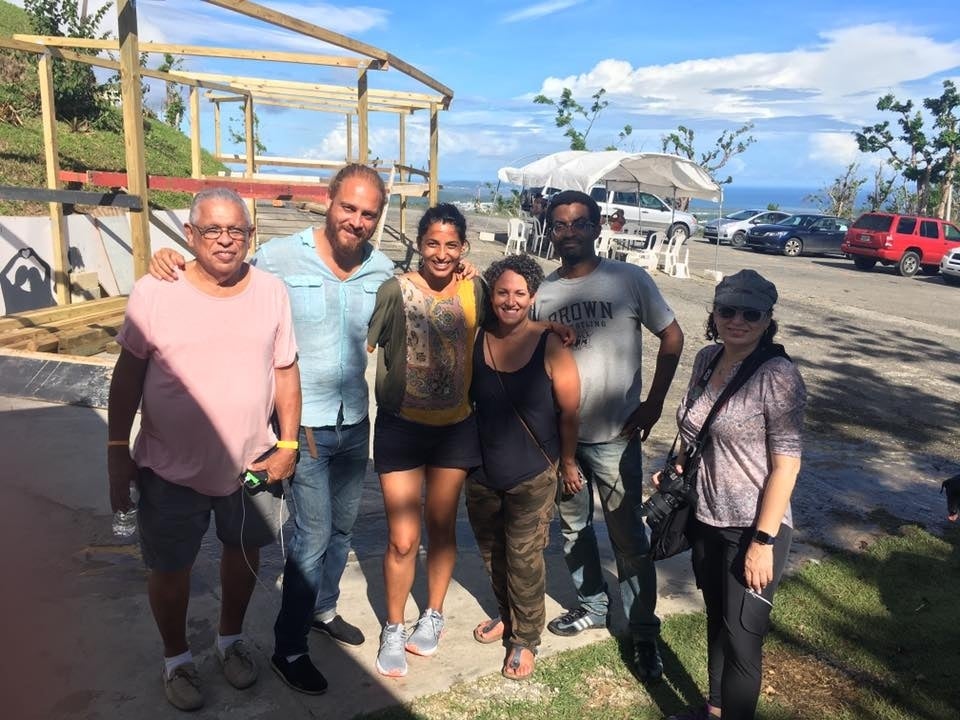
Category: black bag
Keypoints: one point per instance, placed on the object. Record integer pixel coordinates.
(669, 533)
(670, 536)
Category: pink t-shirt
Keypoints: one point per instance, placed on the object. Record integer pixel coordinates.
(209, 388)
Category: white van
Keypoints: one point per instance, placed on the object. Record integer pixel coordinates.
(648, 211)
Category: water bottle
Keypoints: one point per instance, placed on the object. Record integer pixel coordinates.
(125, 523)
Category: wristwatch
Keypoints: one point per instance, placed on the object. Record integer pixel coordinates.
(759, 536)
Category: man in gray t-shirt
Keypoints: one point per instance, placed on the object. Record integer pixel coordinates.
(609, 303)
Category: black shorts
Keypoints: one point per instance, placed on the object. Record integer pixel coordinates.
(400, 444)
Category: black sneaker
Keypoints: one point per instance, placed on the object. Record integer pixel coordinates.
(300, 675)
(577, 620)
(340, 630)
(646, 660)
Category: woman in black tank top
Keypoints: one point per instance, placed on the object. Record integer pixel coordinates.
(526, 392)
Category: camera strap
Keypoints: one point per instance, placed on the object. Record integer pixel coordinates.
(748, 367)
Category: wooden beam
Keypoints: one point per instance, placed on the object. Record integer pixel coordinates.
(434, 154)
(258, 12)
(245, 187)
(225, 98)
(73, 197)
(216, 129)
(349, 157)
(133, 132)
(195, 170)
(270, 160)
(201, 51)
(363, 116)
(62, 54)
(421, 76)
(401, 166)
(48, 115)
(333, 106)
(408, 99)
(248, 127)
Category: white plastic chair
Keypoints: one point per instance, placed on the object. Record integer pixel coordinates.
(649, 257)
(601, 246)
(516, 237)
(537, 234)
(669, 255)
(681, 268)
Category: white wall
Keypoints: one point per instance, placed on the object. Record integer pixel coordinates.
(96, 244)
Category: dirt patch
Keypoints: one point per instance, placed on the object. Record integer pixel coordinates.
(802, 683)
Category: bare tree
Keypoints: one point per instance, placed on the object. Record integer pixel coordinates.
(730, 144)
(839, 197)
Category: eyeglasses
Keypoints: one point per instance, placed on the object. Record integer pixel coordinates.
(213, 232)
(578, 226)
(749, 314)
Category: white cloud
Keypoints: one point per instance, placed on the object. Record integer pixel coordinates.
(834, 149)
(539, 10)
(840, 78)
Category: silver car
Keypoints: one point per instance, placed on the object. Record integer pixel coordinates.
(733, 228)
(646, 210)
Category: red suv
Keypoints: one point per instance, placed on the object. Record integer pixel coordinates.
(910, 242)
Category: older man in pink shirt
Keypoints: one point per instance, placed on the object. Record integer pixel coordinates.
(208, 360)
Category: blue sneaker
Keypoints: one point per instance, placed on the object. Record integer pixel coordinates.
(391, 659)
(425, 638)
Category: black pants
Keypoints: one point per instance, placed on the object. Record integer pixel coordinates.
(737, 620)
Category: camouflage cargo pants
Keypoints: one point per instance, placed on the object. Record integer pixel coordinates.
(512, 528)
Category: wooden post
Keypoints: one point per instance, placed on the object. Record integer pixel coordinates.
(434, 152)
(403, 176)
(248, 132)
(349, 138)
(132, 100)
(195, 132)
(216, 130)
(363, 115)
(61, 276)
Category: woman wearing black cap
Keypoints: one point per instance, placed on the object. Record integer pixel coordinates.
(743, 527)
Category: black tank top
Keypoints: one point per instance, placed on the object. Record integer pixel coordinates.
(510, 455)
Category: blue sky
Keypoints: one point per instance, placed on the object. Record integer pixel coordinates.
(805, 73)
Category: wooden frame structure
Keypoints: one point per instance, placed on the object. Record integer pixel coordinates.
(357, 100)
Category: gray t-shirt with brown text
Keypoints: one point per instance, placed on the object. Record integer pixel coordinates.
(608, 309)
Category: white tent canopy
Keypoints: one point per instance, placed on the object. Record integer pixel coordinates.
(658, 173)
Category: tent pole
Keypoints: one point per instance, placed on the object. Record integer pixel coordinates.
(716, 254)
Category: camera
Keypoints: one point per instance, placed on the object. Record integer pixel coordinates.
(676, 489)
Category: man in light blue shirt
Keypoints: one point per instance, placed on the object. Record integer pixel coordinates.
(332, 275)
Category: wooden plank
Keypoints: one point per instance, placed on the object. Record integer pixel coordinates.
(195, 170)
(248, 130)
(298, 58)
(42, 333)
(416, 74)
(402, 168)
(246, 187)
(74, 197)
(363, 117)
(349, 122)
(434, 154)
(258, 12)
(51, 154)
(130, 92)
(33, 318)
(280, 161)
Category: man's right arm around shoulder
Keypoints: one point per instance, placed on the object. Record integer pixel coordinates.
(126, 390)
(165, 263)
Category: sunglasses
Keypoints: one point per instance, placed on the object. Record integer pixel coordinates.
(728, 312)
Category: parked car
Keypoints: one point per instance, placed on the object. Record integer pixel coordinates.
(911, 242)
(950, 267)
(798, 234)
(733, 228)
(649, 211)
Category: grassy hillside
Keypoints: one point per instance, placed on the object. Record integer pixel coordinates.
(167, 150)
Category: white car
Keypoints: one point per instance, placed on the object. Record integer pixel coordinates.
(649, 211)
(733, 228)
(950, 267)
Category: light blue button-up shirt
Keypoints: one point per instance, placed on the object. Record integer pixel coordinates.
(330, 318)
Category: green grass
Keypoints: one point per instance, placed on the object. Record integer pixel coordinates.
(867, 635)
(13, 19)
(166, 152)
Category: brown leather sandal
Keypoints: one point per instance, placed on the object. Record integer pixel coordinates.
(482, 632)
(514, 659)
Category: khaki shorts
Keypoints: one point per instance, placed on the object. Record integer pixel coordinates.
(172, 520)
